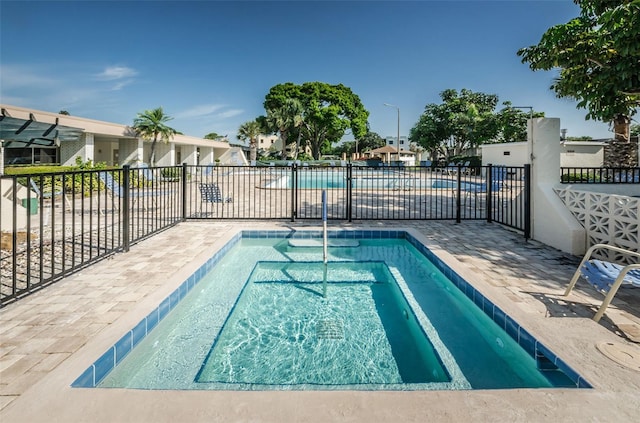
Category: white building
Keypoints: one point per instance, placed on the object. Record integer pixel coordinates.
(403, 144)
(572, 153)
(33, 136)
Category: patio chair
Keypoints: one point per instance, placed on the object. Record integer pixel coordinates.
(48, 194)
(466, 170)
(498, 175)
(211, 194)
(146, 172)
(117, 190)
(607, 276)
(208, 170)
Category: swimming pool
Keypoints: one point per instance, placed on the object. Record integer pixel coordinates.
(381, 179)
(503, 354)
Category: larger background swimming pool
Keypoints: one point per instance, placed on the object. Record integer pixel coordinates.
(490, 349)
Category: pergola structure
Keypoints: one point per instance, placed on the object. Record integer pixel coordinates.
(28, 133)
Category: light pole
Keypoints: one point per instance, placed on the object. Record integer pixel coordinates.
(398, 109)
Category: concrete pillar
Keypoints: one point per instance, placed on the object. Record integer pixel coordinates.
(140, 151)
(129, 152)
(89, 148)
(206, 155)
(189, 154)
(552, 223)
(172, 154)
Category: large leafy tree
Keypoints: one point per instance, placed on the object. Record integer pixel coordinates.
(250, 131)
(464, 119)
(431, 131)
(512, 123)
(471, 119)
(328, 111)
(152, 125)
(285, 118)
(370, 141)
(598, 55)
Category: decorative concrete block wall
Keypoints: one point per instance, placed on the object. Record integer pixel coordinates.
(607, 218)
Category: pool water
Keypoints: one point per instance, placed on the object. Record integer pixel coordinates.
(391, 319)
(382, 179)
(285, 331)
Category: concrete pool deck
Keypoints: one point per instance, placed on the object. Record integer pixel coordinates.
(52, 336)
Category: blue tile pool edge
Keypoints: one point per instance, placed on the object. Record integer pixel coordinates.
(546, 359)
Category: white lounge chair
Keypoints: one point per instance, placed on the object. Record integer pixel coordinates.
(606, 276)
(48, 193)
(117, 190)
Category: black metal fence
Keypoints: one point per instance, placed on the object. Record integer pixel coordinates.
(600, 175)
(498, 194)
(56, 223)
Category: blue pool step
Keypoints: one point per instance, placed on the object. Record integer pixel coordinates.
(299, 242)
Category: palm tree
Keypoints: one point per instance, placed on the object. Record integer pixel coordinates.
(250, 131)
(151, 125)
(286, 118)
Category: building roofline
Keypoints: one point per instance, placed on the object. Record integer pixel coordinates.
(97, 126)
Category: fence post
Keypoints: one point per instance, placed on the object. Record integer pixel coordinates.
(458, 192)
(349, 191)
(489, 190)
(527, 201)
(126, 186)
(294, 191)
(184, 192)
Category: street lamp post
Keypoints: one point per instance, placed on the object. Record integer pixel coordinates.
(398, 142)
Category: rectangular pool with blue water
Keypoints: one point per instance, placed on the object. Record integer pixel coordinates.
(384, 313)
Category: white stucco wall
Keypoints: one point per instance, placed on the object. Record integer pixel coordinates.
(552, 223)
(128, 152)
(507, 154)
(581, 154)
(6, 209)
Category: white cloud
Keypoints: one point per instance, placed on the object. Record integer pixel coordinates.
(230, 113)
(112, 73)
(120, 85)
(199, 111)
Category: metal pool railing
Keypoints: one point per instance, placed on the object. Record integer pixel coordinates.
(54, 224)
(600, 175)
(495, 194)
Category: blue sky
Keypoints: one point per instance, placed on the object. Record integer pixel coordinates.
(209, 64)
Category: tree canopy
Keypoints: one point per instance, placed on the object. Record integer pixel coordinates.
(598, 55)
(213, 136)
(250, 131)
(328, 111)
(467, 119)
(370, 141)
(152, 125)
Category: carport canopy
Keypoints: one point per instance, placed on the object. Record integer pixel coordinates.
(20, 133)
